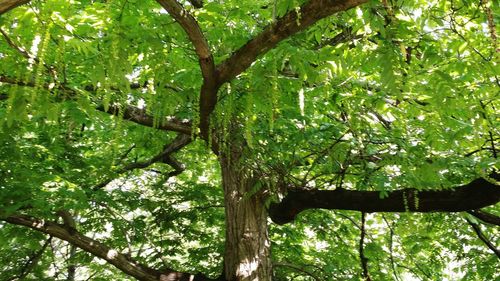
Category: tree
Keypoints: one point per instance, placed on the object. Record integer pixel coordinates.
(161, 136)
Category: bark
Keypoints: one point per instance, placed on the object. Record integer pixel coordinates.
(291, 23)
(208, 93)
(96, 248)
(247, 252)
(286, 26)
(477, 194)
(140, 116)
(7, 5)
(486, 217)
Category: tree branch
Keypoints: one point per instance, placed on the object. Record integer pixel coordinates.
(164, 156)
(208, 94)
(7, 5)
(196, 3)
(483, 238)
(32, 261)
(128, 112)
(477, 194)
(139, 116)
(179, 142)
(291, 23)
(19, 49)
(485, 217)
(96, 248)
(190, 26)
(297, 268)
(362, 257)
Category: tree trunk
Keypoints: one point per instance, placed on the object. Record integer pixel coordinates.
(247, 254)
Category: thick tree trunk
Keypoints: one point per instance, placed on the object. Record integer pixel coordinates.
(247, 254)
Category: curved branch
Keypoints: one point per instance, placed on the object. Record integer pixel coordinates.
(96, 248)
(7, 5)
(165, 156)
(477, 194)
(179, 142)
(190, 26)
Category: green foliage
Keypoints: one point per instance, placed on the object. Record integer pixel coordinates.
(408, 98)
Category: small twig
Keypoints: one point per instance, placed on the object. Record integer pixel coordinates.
(127, 152)
(350, 219)
(19, 49)
(391, 242)
(25, 53)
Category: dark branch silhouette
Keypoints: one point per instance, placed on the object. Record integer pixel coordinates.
(477, 194)
(483, 238)
(485, 217)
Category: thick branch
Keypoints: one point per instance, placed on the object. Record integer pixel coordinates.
(475, 195)
(129, 113)
(190, 26)
(120, 261)
(291, 23)
(7, 5)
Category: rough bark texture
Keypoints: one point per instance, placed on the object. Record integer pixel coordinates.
(477, 194)
(247, 256)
